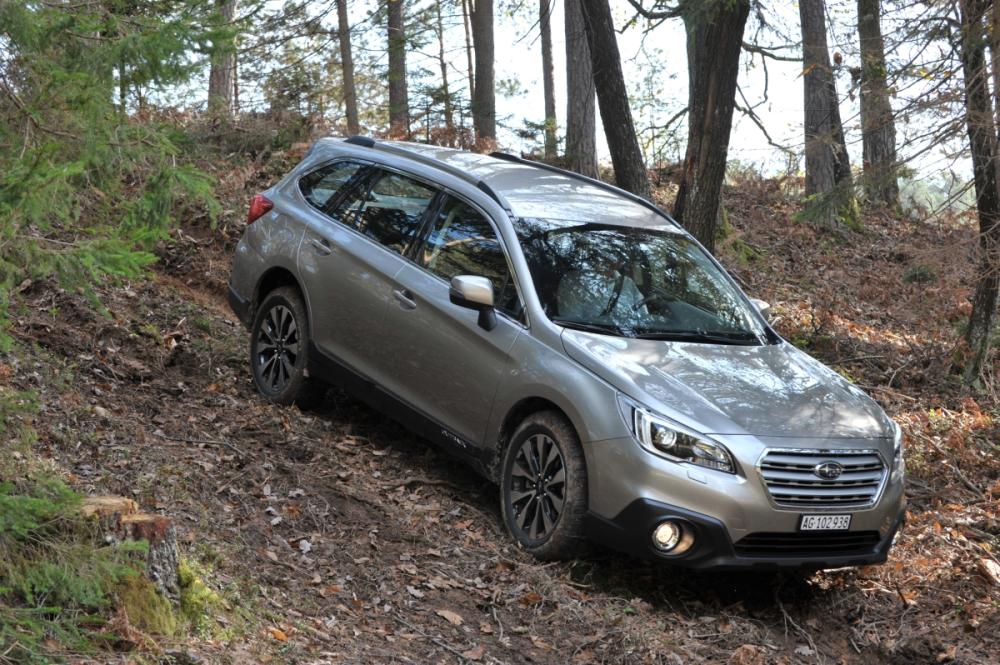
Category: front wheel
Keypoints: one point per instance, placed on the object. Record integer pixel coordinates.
(543, 487)
(279, 338)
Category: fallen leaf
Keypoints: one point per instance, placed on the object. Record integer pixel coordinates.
(485, 628)
(531, 598)
(748, 654)
(540, 644)
(475, 653)
(990, 570)
(450, 617)
(279, 634)
(948, 654)
(413, 591)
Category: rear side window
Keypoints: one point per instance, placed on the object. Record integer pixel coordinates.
(462, 242)
(320, 186)
(389, 211)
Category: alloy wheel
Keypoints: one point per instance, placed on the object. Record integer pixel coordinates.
(537, 486)
(277, 348)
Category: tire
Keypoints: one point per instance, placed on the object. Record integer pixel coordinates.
(279, 338)
(529, 500)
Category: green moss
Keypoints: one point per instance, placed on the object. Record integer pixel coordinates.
(920, 274)
(146, 609)
(198, 601)
(202, 323)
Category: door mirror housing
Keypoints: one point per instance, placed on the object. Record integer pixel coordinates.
(473, 292)
(762, 307)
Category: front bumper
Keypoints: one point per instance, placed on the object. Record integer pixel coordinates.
(630, 532)
(736, 523)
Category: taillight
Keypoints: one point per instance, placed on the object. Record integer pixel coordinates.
(259, 205)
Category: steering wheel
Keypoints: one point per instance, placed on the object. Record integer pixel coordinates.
(658, 294)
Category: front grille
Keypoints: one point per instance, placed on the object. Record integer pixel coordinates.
(791, 479)
(807, 544)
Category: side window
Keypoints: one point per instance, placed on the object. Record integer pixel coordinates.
(389, 211)
(320, 186)
(462, 242)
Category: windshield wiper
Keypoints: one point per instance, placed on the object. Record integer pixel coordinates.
(742, 338)
(599, 328)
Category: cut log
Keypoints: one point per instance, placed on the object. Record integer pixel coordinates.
(161, 559)
(119, 520)
(104, 507)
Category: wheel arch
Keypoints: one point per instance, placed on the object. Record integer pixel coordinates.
(515, 415)
(275, 278)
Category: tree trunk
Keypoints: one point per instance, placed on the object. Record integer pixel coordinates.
(222, 66)
(449, 115)
(484, 112)
(828, 167)
(979, 114)
(466, 11)
(878, 130)
(714, 41)
(630, 171)
(399, 106)
(347, 68)
(548, 77)
(995, 60)
(581, 125)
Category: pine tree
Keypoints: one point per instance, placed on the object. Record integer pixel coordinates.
(84, 192)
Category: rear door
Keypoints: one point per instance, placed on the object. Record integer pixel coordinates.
(443, 363)
(351, 250)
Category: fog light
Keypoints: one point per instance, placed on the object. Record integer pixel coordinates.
(666, 536)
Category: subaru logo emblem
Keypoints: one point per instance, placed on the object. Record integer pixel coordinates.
(828, 470)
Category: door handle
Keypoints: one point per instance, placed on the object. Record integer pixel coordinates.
(405, 298)
(321, 246)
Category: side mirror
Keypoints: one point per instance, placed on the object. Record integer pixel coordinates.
(762, 307)
(476, 293)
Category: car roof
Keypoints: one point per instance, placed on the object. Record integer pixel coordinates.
(533, 189)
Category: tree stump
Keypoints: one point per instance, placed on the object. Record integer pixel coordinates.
(120, 520)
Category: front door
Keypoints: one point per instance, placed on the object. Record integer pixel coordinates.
(444, 364)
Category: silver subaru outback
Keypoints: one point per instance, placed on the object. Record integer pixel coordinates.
(576, 346)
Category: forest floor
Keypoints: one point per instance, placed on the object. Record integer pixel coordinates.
(335, 536)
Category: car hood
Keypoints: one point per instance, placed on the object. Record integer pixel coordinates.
(772, 390)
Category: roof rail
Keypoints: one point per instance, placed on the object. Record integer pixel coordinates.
(364, 141)
(506, 156)
(368, 142)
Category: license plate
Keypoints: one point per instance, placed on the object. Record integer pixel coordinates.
(825, 523)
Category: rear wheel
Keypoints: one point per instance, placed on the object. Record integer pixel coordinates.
(278, 342)
(543, 487)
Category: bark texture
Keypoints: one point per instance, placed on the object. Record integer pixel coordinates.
(630, 171)
(581, 112)
(714, 40)
(828, 167)
(399, 105)
(449, 115)
(222, 67)
(466, 12)
(484, 111)
(548, 77)
(983, 142)
(878, 130)
(119, 519)
(347, 69)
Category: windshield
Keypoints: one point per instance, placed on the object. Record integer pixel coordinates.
(633, 282)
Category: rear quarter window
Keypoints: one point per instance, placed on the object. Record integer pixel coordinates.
(320, 187)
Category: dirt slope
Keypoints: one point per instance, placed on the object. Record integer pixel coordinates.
(336, 536)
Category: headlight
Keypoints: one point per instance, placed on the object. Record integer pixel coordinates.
(897, 445)
(667, 439)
